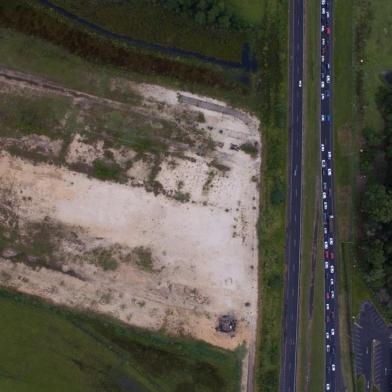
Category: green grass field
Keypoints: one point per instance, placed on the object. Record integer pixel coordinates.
(377, 57)
(249, 10)
(51, 349)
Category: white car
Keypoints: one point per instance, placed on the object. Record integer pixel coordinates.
(329, 154)
(328, 78)
(322, 2)
(328, 348)
(325, 230)
(322, 59)
(327, 14)
(332, 332)
(322, 96)
(323, 163)
(325, 245)
(327, 335)
(327, 387)
(322, 84)
(322, 148)
(331, 241)
(327, 306)
(325, 205)
(323, 41)
(326, 265)
(329, 171)
(331, 281)
(323, 11)
(333, 367)
(332, 294)
(322, 28)
(328, 65)
(332, 269)
(322, 118)
(324, 195)
(300, 83)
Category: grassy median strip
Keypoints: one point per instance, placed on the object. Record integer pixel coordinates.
(311, 366)
(345, 161)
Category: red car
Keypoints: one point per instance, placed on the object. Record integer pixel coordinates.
(327, 295)
(328, 30)
(332, 255)
(326, 254)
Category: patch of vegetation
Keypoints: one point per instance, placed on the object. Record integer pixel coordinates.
(206, 13)
(210, 178)
(32, 113)
(249, 148)
(183, 197)
(105, 260)
(220, 166)
(85, 353)
(142, 257)
(106, 170)
(201, 118)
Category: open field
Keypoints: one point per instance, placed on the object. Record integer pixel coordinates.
(49, 348)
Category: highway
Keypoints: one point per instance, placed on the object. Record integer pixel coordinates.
(293, 238)
(332, 364)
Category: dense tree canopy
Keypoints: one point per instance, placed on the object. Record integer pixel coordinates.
(376, 200)
(214, 13)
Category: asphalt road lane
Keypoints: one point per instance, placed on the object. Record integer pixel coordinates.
(293, 240)
(333, 379)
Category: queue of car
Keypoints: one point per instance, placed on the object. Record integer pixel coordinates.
(327, 199)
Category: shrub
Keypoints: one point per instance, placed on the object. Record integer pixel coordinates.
(106, 170)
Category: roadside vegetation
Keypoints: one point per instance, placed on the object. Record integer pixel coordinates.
(362, 55)
(272, 97)
(48, 348)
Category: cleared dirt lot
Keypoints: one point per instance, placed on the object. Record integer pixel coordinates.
(171, 256)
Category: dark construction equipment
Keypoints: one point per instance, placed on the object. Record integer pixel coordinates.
(227, 324)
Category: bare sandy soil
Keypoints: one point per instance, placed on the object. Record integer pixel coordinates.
(198, 234)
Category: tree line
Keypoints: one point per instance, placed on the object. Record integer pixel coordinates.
(214, 13)
(375, 246)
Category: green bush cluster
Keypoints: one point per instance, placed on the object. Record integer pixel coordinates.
(376, 200)
(106, 170)
(206, 13)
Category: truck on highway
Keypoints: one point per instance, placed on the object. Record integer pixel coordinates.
(331, 223)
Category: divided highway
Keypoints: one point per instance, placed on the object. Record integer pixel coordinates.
(293, 240)
(332, 363)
